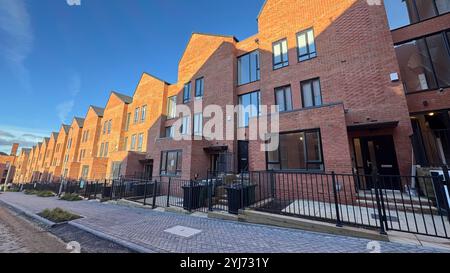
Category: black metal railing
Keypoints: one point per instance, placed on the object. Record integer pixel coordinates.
(414, 204)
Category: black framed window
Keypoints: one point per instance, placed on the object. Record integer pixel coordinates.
(297, 151)
(251, 107)
(283, 98)
(248, 68)
(185, 125)
(425, 63)
(198, 124)
(171, 163)
(169, 133)
(401, 13)
(280, 54)
(187, 92)
(199, 87)
(311, 93)
(306, 45)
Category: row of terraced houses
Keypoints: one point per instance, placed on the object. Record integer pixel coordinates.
(358, 84)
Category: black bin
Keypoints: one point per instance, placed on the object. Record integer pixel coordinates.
(236, 193)
(198, 193)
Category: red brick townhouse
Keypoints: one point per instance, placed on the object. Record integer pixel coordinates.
(332, 69)
(358, 84)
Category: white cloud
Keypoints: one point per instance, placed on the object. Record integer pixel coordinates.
(65, 108)
(73, 2)
(17, 38)
(26, 137)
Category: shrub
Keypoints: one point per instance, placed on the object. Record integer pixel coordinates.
(45, 194)
(30, 192)
(58, 215)
(71, 197)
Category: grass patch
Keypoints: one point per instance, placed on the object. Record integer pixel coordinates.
(58, 215)
(71, 197)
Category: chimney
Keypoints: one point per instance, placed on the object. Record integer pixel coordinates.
(14, 149)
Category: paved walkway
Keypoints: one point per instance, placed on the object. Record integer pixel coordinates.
(146, 228)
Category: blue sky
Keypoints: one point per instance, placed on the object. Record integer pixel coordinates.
(57, 59)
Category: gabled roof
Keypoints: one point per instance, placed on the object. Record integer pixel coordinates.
(98, 110)
(261, 10)
(126, 99)
(39, 145)
(66, 128)
(26, 150)
(204, 34)
(46, 139)
(55, 135)
(79, 121)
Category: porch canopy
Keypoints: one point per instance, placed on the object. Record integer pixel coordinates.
(215, 149)
(372, 126)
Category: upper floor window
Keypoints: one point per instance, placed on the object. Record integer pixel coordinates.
(171, 107)
(306, 45)
(105, 125)
(125, 144)
(248, 68)
(425, 63)
(311, 93)
(186, 125)
(143, 113)
(250, 107)
(127, 123)
(169, 132)
(199, 87)
(140, 142)
(401, 13)
(187, 92)
(283, 98)
(198, 124)
(109, 126)
(105, 153)
(136, 115)
(280, 54)
(133, 142)
(69, 144)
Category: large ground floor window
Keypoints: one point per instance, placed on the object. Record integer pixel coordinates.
(297, 151)
(171, 163)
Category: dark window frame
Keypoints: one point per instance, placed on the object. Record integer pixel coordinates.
(169, 100)
(417, 14)
(187, 95)
(201, 94)
(283, 63)
(445, 34)
(311, 55)
(258, 67)
(283, 88)
(312, 93)
(307, 162)
(258, 107)
(163, 165)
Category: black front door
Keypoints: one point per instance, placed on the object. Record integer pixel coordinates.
(243, 156)
(379, 152)
(148, 170)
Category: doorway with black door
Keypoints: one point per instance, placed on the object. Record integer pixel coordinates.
(376, 153)
(242, 156)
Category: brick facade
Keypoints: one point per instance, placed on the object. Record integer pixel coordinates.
(354, 62)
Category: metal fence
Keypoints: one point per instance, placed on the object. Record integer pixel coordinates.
(414, 204)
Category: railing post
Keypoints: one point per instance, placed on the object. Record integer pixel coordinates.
(155, 187)
(242, 191)
(381, 216)
(95, 191)
(191, 195)
(168, 192)
(103, 189)
(447, 181)
(210, 185)
(336, 200)
(145, 192)
(112, 190)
